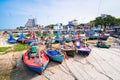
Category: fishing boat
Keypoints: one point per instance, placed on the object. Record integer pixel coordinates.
(82, 48)
(73, 39)
(66, 38)
(57, 38)
(53, 41)
(32, 38)
(50, 40)
(104, 36)
(93, 34)
(22, 38)
(11, 39)
(103, 44)
(54, 53)
(36, 62)
(81, 35)
(69, 49)
(42, 40)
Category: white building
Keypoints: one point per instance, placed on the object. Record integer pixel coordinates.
(32, 24)
(74, 22)
(71, 24)
(103, 15)
(96, 28)
(58, 26)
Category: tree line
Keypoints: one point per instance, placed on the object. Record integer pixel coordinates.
(106, 20)
(103, 21)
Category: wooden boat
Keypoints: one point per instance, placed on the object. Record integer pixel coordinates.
(36, 62)
(55, 55)
(81, 36)
(57, 39)
(42, 40)
(69, 49)
(53, 42)
(11, 39)
(22, 38)
(104, 36)
(82, 48)
(93, 34)
(68, 40)
(32, 38)
(103, 45)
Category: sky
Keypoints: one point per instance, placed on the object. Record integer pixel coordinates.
(15, 13)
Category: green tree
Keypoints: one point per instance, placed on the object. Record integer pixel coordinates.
(109, 20)
(92, 23)
(50, 26)
(64, 26)
(79, 26)
(99, 21)
(117, 21)
(106, 20)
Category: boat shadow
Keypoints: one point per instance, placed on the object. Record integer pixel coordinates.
(21, 72)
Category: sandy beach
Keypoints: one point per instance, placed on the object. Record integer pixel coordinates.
(101, 64)
(4, 43)
(36, 33)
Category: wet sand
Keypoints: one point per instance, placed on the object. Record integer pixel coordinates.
(101, 64)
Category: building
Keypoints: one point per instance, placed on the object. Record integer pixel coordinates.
(58, 26)
(96, 28)
(103, 15)
(74, 22)
(70, 26)
(31, 23)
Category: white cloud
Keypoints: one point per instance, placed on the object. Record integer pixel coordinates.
(70, 9)
(54, 11)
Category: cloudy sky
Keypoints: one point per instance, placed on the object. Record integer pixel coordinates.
(14, 13)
